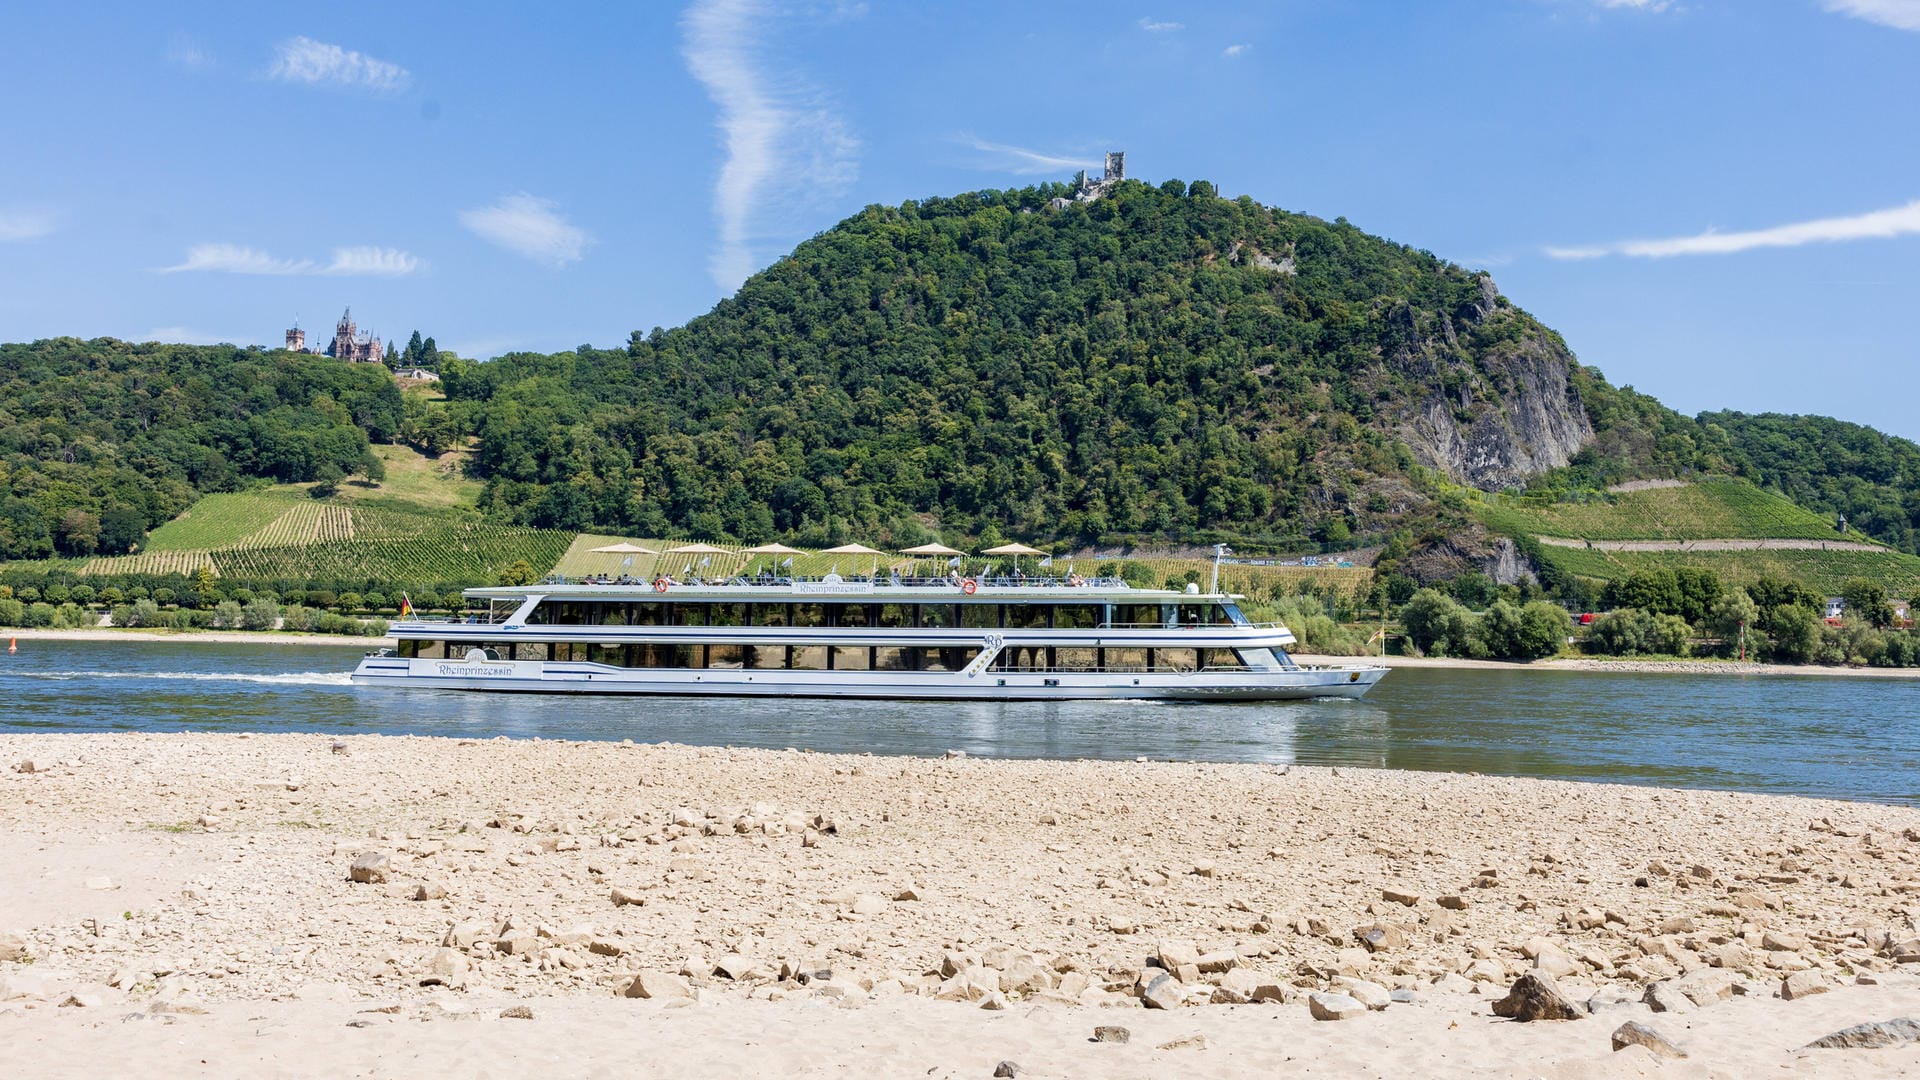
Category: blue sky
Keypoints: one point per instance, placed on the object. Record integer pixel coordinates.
(1716, 201)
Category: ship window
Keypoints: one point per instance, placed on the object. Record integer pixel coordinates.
(979, 616)
(1232, 615)
(893, 659)
(650, 613)
(1193, 614)
(690, 614)
(896, 614)
(850, 614)
(611, 655)
(809, 614)
(771, 615)
(809, 658)
(1126, 659)
(407, 648)
(766, 656)
(1136, 614)
(943, 659)
(538, 616)
(1225, 659)
(939, 616)
(566, 651)
(611, 614)
(729, 614)
(1026, 616)
(529, 650)
(725, 656)
(850, 658)
(1076, 616)
(1075, 659)
(1176, 659)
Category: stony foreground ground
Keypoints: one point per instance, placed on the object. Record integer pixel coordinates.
(704, 909)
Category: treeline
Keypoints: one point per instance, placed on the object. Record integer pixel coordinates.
(102, 440)
(1157, 363)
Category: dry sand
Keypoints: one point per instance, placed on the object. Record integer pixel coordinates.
(863, 916)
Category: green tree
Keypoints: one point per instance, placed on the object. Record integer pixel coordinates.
(1732, 616)
(205, 588)
(1543, 630)
(520, 573)
(1866, 601)
(326, 481)
(122, 529)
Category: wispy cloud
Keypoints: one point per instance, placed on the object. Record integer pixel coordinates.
(1636, 5)
(770, 122)
(1878, 225)
(186, 335)
(1899, 14)
(1235, 50)
(1021, 161)
(1153, 27)
(20, 225)
(346, 262)
(528, 225)
(315, 63)
(371, 262)
(184, 50)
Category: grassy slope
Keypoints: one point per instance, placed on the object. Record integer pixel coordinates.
(418, 525)
(1708, 510)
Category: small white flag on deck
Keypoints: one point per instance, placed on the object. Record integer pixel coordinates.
(1048, 561)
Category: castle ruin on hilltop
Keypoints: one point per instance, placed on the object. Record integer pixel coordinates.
(1087, 189)
(349, 343)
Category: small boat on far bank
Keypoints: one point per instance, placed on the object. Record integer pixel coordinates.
(945, 638)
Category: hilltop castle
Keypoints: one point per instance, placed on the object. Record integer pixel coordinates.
(348, 343)
(1087, 189)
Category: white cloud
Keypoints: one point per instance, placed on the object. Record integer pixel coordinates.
(236, 259)
(347, 262)
(1655, 6)
(771, 125)
(1878, 225)
(304, 60)
(371, 262)
(186, 51)
(528, 225)
(1024, 162)
(184, 335)
(1152, 27)
(1899, 14)
(1235, 50)
(21, 225)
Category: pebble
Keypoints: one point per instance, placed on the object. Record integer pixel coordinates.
(1896, 1032)
(1802, 984)
(1006, 1069)
(370, 868)
(1162, 992)
(1187, 1042)
(1111, 1033)
(1328, 1006)
(659, 986)
(1634, 1033)
(516, 1012)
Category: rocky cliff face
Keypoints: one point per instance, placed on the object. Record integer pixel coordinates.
(1496, 403)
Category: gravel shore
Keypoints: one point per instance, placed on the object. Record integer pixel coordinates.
(695, 911)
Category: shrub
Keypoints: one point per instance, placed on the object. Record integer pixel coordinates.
(226, 615)
(40, 615)
(12, 612)
(1437, 624)
(262, 614)
(298, 618)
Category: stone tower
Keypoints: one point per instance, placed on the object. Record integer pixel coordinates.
(296, 340)
(1116, 166)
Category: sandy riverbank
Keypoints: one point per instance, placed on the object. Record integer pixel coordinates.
(1664, 667)
(230, 637)
(861, 916)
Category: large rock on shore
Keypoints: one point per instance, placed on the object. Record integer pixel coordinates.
(1535, 997)
(1897, 1032)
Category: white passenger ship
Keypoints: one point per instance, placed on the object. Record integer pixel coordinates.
(952, 638)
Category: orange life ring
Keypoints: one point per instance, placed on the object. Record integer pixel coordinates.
(660, 584)
(967, 585)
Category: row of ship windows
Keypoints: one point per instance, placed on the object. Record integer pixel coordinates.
(983, 616)
(836, 657)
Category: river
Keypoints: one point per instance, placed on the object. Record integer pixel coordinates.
(1800, 735)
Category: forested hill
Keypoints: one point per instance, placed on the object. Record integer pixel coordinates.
(1155, 362)
(102, 440)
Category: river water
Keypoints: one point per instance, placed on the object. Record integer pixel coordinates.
(1804, 735)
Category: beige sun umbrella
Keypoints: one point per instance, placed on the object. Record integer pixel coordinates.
(623, 548)
(852, 549)
(931, 549)
(1013, 549)
(773, 549)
